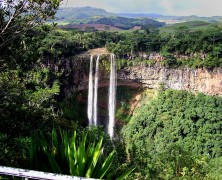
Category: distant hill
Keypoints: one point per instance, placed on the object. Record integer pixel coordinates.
(138, 15)
(173, 19)
(189, 25)
(113, 23)
(71, 13)
(128, 23)
(197, 18)
(99, 19)
(73, 16)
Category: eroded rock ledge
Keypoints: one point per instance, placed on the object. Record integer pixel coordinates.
(195, 80)
(142, 75)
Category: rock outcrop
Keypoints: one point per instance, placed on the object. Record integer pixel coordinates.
(142, 75)
(157, 76)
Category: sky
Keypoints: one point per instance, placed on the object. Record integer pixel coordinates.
(165, 7)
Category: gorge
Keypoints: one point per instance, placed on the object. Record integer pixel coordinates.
(138, 76)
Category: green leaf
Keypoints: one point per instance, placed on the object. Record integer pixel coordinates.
(102, 171)
(95, 156)
(125, 174)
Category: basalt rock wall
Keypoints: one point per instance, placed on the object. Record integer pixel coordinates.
(76, 70)
(157, 76)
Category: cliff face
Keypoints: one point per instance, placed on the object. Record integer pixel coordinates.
(195, 80)
(152, 77)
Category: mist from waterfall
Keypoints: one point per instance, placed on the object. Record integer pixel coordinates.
(95, 105)
(112, 96)
(90, 93)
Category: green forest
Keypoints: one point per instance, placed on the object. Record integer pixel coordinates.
(173, 134)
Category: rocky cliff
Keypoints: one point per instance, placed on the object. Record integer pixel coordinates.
(143, 75)
(195, 80)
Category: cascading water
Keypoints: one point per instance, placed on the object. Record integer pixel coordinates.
(93, 94)
(90, 93)
(96, 91)
(112, 96)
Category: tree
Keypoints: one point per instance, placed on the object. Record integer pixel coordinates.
(26, 91)
(213, 34)
(17, 16)
(217, 50)
(172, 131)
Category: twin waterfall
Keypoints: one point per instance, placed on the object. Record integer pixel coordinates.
(93, 94)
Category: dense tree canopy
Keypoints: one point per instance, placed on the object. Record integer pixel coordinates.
(175, 124)
(202, 48)
(26, 91)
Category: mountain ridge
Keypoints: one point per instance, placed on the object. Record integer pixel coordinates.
(68, 13)
(91, 19)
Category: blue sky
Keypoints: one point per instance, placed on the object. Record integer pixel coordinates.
(166, 7)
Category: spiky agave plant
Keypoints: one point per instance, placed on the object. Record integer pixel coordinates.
(72, 156)
(83, 159)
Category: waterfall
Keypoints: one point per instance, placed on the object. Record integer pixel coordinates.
(112, 96)
(93, 94)
(90, 93)
(96, 91)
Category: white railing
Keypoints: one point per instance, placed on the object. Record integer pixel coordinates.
(25, 173)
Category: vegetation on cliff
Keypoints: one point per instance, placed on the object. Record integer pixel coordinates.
(181, 47)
